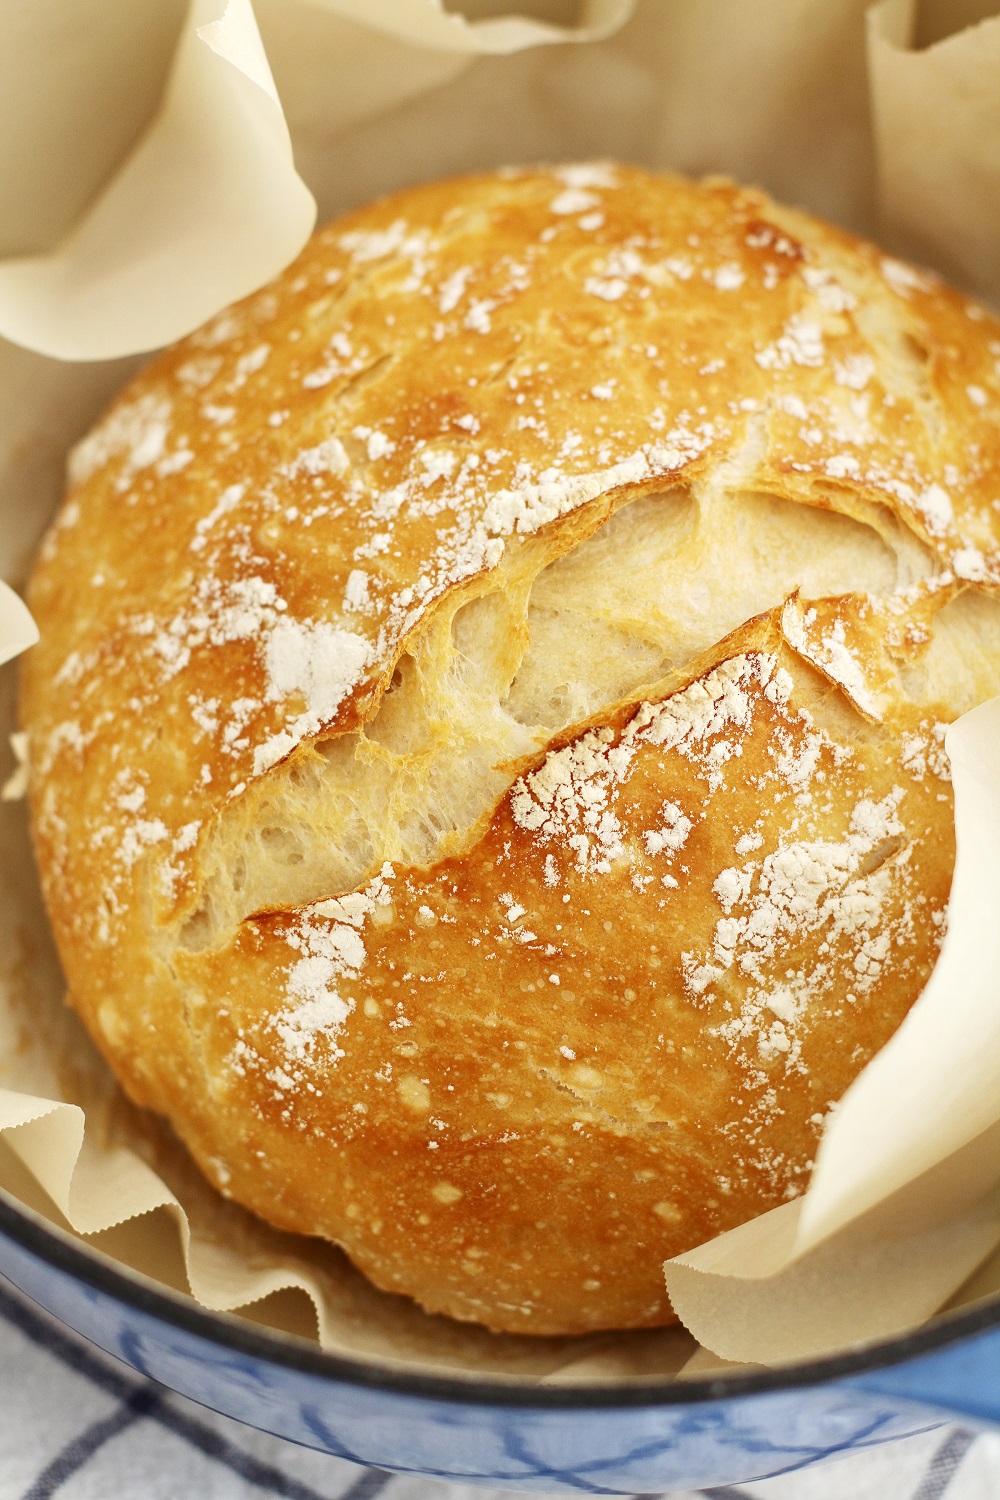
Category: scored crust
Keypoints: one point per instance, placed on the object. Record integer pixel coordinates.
(486, 737)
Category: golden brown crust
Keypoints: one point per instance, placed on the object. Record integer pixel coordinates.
(447, 393)
(556, 1028)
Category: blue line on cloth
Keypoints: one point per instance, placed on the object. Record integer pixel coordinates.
(148, 1400)
(83, 1447)
(943, 1466)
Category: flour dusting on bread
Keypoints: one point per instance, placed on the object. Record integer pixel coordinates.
(487, 736)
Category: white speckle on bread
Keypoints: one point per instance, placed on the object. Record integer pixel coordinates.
(495, 793)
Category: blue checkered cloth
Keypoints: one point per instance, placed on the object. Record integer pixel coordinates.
(77, 1425)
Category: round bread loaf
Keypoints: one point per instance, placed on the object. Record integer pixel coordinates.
(486, 738)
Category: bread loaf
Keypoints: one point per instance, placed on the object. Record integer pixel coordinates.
(486, 738)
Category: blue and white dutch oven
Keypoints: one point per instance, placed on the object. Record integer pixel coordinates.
(599, 1438)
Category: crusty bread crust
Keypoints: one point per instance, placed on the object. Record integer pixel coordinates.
(487, 775)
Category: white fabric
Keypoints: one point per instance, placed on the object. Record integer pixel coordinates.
(77, 1426)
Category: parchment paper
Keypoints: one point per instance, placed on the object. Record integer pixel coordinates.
(936, 113)
(135, 218)
(205, 209)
